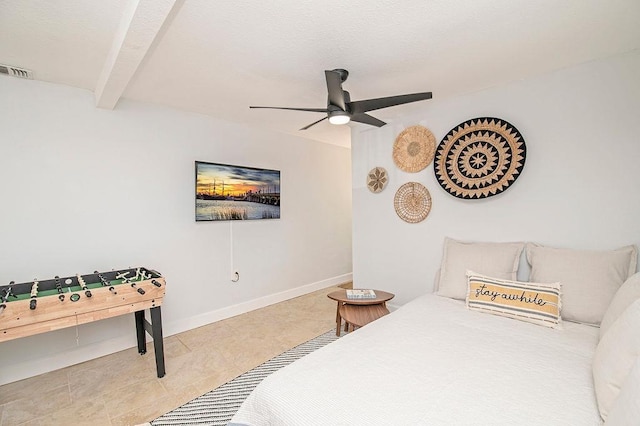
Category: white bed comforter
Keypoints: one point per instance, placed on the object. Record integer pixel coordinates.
(433, 362)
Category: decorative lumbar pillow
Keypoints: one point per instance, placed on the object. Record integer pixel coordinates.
(626, 408)
(615, 356)
(532, 302)
(589, 278)
(498, 260)
(626, 295)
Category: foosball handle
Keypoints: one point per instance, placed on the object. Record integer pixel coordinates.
(141, 291)
(32, 304)
(87, 293)
(156, 283)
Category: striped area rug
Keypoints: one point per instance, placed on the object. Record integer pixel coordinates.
(218, 406)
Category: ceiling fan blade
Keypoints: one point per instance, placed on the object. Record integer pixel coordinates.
(313, 124)
(334, 88)
(294, 109)
(367, 119)
(358, 107)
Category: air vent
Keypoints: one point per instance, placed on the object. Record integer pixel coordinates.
(16, 72)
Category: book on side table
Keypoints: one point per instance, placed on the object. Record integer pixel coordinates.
(360, 294)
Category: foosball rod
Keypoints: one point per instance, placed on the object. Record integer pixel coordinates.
(83, 285)
(105, 283)
(59, 288)
(4, 298)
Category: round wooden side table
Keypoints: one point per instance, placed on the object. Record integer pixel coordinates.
(359, 312)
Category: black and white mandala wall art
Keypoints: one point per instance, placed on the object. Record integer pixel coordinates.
(480, 158)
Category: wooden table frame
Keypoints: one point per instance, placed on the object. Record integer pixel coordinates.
(359, 312)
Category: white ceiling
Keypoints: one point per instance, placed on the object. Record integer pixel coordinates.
(219, 57)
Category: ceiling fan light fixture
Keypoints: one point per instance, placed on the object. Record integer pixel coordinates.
(339, 117)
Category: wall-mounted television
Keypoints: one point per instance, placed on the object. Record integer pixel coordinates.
(227, 192)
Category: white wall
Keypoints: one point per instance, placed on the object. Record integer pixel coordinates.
(579, 187)
(83, 188)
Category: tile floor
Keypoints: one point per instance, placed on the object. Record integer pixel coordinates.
(122, 388)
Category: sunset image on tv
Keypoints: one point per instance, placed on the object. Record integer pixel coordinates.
(226, 192)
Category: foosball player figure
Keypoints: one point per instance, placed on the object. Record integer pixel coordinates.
(105, 283)
(34, 294)
(5, 296)
(83, 285)
(123, 276)
(59, 288)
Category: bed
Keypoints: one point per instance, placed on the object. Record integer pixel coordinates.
(434, 361)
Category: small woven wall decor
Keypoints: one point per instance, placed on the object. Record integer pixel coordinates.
(480, 158)
(377, 179)
(412, 202)
(414, 148)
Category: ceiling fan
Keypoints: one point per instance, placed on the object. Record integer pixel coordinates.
(340, 109)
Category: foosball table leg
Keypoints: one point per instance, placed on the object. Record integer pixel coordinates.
(156, 333)
(142, 342)
(155, 330)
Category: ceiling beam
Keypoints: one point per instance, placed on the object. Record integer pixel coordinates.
(140, 25)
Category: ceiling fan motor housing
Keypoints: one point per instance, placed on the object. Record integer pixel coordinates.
(344, 74)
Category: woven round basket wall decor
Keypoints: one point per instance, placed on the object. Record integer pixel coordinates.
(414, 149)
(480, 158)
(412, 202)
(377, 179)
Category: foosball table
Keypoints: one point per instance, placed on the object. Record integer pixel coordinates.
(40, 306)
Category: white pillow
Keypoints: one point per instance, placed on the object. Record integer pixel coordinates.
(628, 292)
(498, 260)
(626, 408)
(589, 279)
(615, 356)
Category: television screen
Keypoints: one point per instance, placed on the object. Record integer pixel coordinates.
(227, 192)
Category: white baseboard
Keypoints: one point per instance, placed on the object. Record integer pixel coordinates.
(53, 362)
(170, 328)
